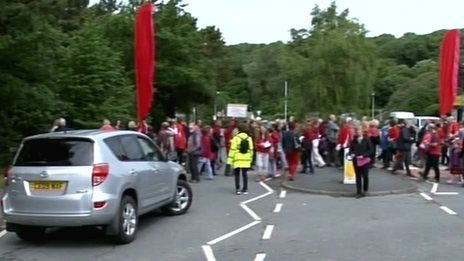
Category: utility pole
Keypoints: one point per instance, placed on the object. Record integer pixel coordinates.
(286, 101)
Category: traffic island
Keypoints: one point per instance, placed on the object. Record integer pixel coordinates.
(329, 181)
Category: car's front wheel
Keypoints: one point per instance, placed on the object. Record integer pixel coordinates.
(182, 199)
(128, 221)
(30, 233)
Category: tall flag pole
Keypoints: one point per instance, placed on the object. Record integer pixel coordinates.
(449, 70)
(144, 48)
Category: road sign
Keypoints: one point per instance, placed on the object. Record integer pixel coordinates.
(237, 110)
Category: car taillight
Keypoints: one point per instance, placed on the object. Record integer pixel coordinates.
(100, 173)
(6, 174)
(98, 205)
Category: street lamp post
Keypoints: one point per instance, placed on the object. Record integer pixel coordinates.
(286, 102)
(373, 105)
(215, 105)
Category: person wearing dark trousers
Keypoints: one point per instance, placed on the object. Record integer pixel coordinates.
(194, 151)
(332, 135)
(240, 157)
(306, 151)
(306, 157)
(361, 149)
(403, 146)
(432, 144)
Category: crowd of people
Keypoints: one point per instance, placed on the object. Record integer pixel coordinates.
(277, 148)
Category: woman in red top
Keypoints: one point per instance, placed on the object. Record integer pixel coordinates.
(228, 135)
(432, 144)
(263, 148)
(273, 152)
(180, 141)
(204, 162)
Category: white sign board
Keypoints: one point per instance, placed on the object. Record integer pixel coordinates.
(237, 110)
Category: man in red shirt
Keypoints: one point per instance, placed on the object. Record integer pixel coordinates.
(433, 144)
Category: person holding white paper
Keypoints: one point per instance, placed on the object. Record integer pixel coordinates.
(263, 148)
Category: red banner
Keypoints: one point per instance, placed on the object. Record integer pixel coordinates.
(449, 70)
(144, 47)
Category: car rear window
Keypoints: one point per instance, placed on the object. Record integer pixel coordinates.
(56, 152)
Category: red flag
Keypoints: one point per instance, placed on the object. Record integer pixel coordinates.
(448, 71)
(144, 59)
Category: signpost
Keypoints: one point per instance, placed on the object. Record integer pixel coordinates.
(349, 176)
(237, 110)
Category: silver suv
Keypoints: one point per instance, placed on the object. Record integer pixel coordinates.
(90, 178)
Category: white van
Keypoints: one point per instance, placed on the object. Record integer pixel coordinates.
(406, 115)
(420, 121)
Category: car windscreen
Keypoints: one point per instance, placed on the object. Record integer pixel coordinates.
(56, 152)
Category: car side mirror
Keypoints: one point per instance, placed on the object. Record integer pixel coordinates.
(171, 157)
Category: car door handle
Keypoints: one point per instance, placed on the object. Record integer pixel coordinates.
(134, 172)
(155, 170)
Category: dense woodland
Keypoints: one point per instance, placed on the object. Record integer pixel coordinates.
(65, 58)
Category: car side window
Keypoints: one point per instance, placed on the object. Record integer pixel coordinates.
(115, 146)
(132, 148)
(150, 152)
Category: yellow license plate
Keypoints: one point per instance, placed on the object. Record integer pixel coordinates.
(47, 185)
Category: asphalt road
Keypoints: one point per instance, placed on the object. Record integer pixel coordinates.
(304, 227)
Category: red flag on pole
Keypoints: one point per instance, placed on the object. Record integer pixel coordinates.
(448, 71)
(144, 46)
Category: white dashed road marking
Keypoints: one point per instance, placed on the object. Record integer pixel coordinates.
(447, 210)
(278, 207)
(446, 193)
(260, 257)
(283, 193)
(268, 231)
(434, 188)
(427, 197)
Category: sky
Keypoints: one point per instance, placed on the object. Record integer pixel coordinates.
(266, 21)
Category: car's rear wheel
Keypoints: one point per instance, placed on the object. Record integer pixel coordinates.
(182, 200)
(30, 233)
(128, 221)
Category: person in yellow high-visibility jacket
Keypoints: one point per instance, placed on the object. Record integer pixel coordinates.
(241, 157)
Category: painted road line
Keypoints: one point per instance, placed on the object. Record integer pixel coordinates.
(2, 233)
(267, 179)
(283, 193)
(427, 197)
(208, 253)
(250, 212)
(256, 198)
(447, 210)
(260, 257)
(278, 207)
(268, 231)
(434, 188)
(446, 193)
(232, 233)
(266, 186)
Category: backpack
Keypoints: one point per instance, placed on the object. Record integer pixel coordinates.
(244, 145)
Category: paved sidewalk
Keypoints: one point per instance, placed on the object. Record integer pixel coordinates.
(329, 181)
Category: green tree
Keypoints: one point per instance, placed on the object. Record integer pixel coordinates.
(95, 86)
(335, 69)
